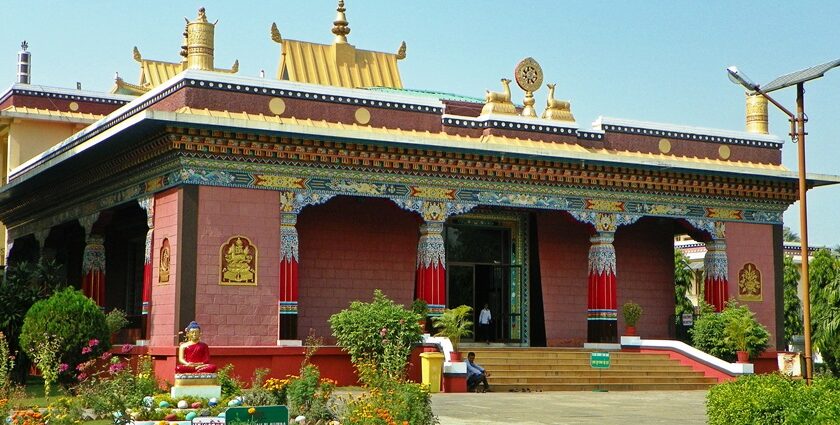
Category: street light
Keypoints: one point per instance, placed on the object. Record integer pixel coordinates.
(797, 133)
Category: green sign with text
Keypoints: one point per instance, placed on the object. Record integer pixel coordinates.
(599, 360)
(261, 415)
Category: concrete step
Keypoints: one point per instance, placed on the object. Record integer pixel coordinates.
(607, 387)
(547, 369)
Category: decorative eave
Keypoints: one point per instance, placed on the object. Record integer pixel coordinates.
(64, 94)
(672, 131)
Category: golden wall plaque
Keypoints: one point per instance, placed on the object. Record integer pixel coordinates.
(238, 260)
(164, 259)
(749, 283)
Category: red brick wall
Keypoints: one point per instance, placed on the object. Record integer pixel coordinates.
(645, 267)
(162, 315)
(563, 249)
(237, 315)
(348, 248)
(645, 270)
(753, 243)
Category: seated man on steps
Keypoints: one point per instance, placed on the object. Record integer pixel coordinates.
(475, 375)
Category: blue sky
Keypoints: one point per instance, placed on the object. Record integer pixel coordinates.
(660, 61)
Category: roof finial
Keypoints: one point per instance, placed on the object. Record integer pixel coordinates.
(340, 28)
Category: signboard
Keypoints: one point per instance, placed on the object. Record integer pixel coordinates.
(599, 360)
(687, 319)
(207, 421)
(261, 415)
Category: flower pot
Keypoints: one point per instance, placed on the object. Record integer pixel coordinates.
(455, 356)
(630, 331)
(743, 356)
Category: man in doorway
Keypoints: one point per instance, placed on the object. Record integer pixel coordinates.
(475, 375)
(484, 319)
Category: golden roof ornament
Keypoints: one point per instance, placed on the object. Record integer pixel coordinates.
(137, 55)
(401, 51)
(499, 103)
(560, 110)
(275, 33)
(340, 25)
(200, 42)
(529, 77)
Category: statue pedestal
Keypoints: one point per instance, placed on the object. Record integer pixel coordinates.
(204, 385)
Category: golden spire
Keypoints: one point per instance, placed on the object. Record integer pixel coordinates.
(757, 114)
(340, 28)
(200, 42)
(401, 51)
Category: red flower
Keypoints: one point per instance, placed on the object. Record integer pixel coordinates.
(93, 343)
(106, 355)
(126, 348)
(86, 350)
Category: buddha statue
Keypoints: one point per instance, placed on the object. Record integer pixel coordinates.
(238, 258)
(193, 355)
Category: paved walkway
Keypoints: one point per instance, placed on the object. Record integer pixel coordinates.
(572, 407)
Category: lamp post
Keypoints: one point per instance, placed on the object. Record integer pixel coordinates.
(797, 133)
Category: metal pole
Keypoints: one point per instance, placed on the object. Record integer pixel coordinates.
(803, 230)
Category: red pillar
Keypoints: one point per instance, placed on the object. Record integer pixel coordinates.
(287, 303)
(716, 265)
(93, 268)
(431, 267)
(148, 204)
(602, 325)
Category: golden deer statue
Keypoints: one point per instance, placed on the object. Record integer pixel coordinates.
(560, 110)
(499, 103)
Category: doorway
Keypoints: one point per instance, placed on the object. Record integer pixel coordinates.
(485, 266)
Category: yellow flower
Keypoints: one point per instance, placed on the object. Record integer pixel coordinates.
(251, 411)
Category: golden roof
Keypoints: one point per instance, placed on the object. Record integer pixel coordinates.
(339, 64)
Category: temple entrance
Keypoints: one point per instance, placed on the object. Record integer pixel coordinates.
(484, 267)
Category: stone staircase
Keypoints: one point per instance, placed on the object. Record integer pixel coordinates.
(559, 369)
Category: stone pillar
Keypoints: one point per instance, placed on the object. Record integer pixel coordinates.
(430, 285)
(716, 265)
(291, 203)
(287, 303)
(602, 312)
(148, 205)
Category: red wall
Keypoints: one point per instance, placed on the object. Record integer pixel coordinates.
(644, 255)
(162, 315)
(753, 243)
(645, 268)
(563, 249)
(237, 315)
(348, 248)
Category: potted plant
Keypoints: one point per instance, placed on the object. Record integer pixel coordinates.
(421, 307)
(631, 312)
(454, 324)
(737, 334)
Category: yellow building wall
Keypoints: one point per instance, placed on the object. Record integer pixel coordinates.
(27, 139)
(24, 141)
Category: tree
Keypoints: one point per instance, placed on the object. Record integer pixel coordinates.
(825, 308)
(788, 235)
(683, 281)
(24, 284)
(793, 306)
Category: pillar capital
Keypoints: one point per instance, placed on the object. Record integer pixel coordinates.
(434, 211)
(292, 202)
(605, 222)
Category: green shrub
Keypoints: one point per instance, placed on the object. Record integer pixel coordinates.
(71, 317)
(377, 331)
(774, 399)
(454, 324)
(631, 312)
(710, 332)
(231, 385)
(388, 401)
(115, 320)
